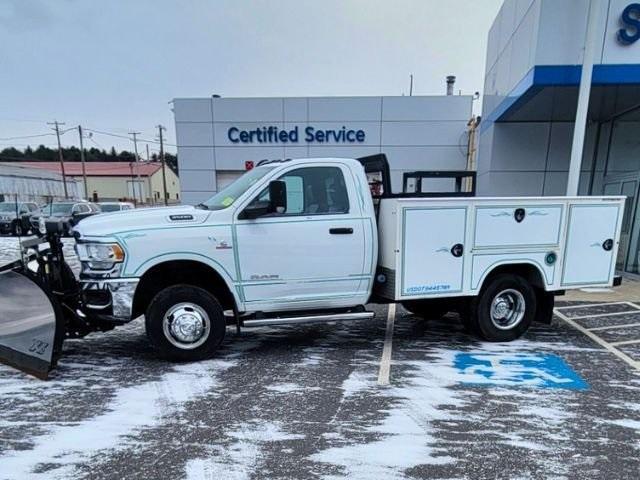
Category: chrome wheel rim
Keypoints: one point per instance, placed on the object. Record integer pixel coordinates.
(186, 325)
(507, 309)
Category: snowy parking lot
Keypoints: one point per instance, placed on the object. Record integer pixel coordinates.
(357, 400)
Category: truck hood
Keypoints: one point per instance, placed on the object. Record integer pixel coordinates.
(108, 224)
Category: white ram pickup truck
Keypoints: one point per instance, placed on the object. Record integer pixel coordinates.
(306, 240)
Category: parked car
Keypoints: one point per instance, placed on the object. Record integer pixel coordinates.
(108, 207)
(69, 212)
(14, 218)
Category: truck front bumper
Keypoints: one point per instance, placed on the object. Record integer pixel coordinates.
(110, 297)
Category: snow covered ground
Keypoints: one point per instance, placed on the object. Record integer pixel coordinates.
(304, 402)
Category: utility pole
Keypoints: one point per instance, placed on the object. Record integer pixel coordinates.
(164, 175)
(135, 148)
(84, 171)
(411, 85)
(147, 145)
(64, 177)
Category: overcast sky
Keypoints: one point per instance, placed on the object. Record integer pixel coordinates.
(115, 65)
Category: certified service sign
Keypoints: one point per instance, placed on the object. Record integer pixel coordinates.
(630, 19)
(310, 134)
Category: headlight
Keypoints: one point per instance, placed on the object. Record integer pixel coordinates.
(100, 256)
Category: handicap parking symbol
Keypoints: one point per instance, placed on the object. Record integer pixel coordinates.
(518, 370)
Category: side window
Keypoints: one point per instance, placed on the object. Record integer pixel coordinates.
(80, 208)
(23, 209)
(313, 191)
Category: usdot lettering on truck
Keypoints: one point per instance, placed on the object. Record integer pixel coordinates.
(306, 240)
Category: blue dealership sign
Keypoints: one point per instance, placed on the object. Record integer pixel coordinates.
(517, 370)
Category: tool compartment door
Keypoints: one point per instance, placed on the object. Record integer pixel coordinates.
(432, 250)
(517, 225)
(592, 243)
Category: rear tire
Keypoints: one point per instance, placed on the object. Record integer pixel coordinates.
(185, 323)
(504, 309)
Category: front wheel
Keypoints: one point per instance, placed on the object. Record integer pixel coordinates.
(185, 323)
(504, 309)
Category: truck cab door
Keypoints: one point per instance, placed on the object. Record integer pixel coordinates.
(312, 252)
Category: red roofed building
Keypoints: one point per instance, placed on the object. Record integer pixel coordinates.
(110, 181)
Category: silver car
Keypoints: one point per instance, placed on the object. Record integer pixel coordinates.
(14, 218)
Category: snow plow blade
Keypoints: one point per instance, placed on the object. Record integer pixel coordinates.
(31, 332)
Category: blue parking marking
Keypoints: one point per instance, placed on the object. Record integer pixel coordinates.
(517, 370)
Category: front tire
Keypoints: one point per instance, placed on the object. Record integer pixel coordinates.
(185, 323)
(504, 309)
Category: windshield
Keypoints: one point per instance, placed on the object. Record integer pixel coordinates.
(229, 194)
(58, 208)
(7, 207)
(109, 208)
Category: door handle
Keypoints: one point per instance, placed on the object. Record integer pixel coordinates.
(341, 231)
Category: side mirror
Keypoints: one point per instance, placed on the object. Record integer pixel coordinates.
(277, 202)
(278, 196)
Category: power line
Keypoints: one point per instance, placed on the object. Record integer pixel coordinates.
(101, 132)
(96, 143)
(27, 136)
(27, 144)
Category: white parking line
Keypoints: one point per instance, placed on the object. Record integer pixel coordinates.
(568, 307)
(625, 342)
(385, 361)
(597, 315)
(611, 327)
(610, 347)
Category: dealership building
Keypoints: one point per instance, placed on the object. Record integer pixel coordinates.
(533, 70)
(219, 138)
(524, 142)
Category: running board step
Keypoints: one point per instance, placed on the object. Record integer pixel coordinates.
(334, 317)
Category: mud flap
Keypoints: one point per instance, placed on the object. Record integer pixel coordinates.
(544, 308)
(31, 324)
